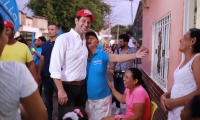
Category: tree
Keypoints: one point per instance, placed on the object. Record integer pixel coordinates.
(122, 30)
(63, 12)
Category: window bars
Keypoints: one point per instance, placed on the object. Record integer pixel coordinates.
(161, 47)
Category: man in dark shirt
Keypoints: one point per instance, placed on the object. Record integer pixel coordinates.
(43, 68)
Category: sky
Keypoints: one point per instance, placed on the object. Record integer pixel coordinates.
(121, 10)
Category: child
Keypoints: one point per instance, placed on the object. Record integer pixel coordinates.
(191, 110)
(75, 114)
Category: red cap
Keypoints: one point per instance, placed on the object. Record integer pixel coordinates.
(84, 13)
(8, 24)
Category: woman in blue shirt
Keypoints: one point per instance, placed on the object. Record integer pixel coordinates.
(99, 103)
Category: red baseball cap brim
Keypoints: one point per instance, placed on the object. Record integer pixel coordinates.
(85, 13)
(8, 24)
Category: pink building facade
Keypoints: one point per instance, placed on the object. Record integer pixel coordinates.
(163, 27)
(164, 24)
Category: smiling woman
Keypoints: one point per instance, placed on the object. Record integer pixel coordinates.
(99, 103)
(135, 97)
(186, 76)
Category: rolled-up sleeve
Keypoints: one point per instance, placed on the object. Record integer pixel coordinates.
(57, 57)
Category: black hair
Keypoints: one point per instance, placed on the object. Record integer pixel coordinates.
(195, 33)
(137, 74)
(129, 32)
(78, 17)
(54, 25)
(19, 37)
(195, 106)
(1, 24)
(22, 40)
(42, 38)
(64, 29)
(124, 37)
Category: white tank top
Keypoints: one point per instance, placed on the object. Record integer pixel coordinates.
(184, 84)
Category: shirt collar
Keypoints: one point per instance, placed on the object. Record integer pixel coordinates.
(76, 34)
(96, 51)
(121, 49)
(50, 41)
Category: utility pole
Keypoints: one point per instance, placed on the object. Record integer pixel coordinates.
(117, 33)
(131, 11)
(109, 30)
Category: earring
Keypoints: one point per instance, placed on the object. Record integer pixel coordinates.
(190, 47)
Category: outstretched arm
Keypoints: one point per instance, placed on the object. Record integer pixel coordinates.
(127, 57)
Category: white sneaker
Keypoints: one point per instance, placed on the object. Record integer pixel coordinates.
(117, 112)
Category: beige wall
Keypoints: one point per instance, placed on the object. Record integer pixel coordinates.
(29, 22)
(36, 24)
(198, 14)
(41, 23)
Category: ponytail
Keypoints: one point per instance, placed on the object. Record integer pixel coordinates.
(137, 74)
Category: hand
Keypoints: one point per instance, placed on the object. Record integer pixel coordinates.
(62, 97)
(110, 85)
(108, 50)
(162, 101)
(169, 103)
(141, 53)
(136, 43)
(111, 72)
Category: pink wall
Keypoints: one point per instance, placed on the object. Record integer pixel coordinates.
(157, 9)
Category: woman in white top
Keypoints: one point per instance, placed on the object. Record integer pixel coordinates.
(17, 86)
(186, 76)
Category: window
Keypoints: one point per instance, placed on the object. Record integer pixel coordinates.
(161, 42)
(27, 35)
(195, 12)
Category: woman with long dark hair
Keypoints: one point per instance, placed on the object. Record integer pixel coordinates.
(186, 76)
(135, 97)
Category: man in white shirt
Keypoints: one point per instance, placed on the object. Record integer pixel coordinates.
(131, 39)
(68, 63)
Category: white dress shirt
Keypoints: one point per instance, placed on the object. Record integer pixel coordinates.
(130, 42)
(69, 53)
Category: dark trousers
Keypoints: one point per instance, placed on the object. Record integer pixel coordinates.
(40, 89)
(119, 86)
(77, 96)
(49, 87)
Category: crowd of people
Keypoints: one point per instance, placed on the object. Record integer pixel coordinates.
(74, 66)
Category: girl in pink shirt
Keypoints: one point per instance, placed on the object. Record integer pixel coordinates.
(135, 97)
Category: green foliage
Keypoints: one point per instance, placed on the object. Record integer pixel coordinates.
(63, 12)
(122, 30)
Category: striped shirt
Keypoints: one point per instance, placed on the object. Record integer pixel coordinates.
(125, 65)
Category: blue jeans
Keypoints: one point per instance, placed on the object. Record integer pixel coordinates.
(119, 86)
(49, 87)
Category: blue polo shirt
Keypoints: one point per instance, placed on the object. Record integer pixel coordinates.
(35, 57)
(97, 86)
(46, 52)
